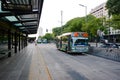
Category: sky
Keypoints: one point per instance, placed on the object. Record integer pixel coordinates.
(51, 11)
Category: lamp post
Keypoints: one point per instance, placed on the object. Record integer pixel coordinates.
(85, 11)
(61, 20)
(109, 28)
(85, 15)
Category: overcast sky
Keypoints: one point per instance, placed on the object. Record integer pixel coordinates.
(51, 12)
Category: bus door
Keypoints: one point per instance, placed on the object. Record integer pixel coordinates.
(61, 42)
(69, 43)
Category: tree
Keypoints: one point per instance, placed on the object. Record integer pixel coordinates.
(79, 24)
(90, 19)
(57, 31)
(115, 21)
(48, 36)
(94, 25)
(113, 7)
(76, 27)
(73, 25)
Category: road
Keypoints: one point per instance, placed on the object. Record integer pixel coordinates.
(63, 66)
(45, 62)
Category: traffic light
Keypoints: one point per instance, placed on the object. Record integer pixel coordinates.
(46, 30)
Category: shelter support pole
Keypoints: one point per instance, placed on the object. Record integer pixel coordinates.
(19, 42)
(15, 34)
(9, 43)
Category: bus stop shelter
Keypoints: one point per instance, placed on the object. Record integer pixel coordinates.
(18, 18)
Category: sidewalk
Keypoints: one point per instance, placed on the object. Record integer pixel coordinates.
(5, 53)
(28, 64)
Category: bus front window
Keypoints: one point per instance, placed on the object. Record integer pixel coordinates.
(81, 42)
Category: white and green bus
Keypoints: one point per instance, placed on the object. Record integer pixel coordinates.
(73, 42)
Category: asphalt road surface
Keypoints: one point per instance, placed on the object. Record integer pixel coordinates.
(63, 66)
(45, 62)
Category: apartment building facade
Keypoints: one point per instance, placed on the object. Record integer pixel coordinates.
(101, 11)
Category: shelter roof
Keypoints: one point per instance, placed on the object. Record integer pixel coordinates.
(23, 14)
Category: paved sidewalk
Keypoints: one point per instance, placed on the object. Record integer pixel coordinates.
(28, 64)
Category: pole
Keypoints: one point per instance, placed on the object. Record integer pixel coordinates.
(109, 29)
(85, 12)
(61, 20)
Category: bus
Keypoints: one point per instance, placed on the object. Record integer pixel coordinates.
(39, 40)
(73, 42)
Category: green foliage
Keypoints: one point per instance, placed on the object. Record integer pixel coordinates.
(75, 25)
(57, 31)
(93, 24)
(90, 20)
(88, 24)
(39, 37)
(113, 7)
(48, 36)
(66, 28)
(115, 21)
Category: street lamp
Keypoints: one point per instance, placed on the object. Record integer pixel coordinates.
(85, 15)
(61, 20)
(85, 11)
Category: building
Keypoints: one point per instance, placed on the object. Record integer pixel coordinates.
(101, 12)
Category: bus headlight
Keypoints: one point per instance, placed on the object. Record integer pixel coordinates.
(86, 48)
(73, 48)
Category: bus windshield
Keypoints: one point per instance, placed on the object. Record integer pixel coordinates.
(81, 42)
